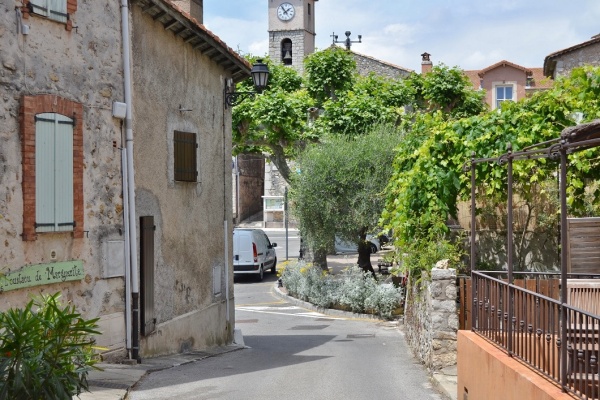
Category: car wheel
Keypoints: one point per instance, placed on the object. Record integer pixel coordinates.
(274, 267)
(261, 274)
(373, 248)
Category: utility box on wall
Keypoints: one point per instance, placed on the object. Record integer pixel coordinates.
(114, 259)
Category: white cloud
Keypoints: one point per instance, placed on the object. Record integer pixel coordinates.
(470, 33)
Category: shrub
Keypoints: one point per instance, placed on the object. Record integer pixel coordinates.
(46, 350)
(353, 289)
(356, 287)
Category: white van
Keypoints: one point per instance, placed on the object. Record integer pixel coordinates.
(253, 252)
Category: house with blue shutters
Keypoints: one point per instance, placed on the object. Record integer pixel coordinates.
(116, 183)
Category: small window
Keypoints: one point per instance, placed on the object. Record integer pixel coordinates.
(503, 93)
(53, 9)
(185, 156)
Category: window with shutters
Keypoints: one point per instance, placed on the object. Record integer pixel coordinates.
(52, 156)
(185, 146)
(54, 173)
(53, 9)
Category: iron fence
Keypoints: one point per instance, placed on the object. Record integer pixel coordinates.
(559, 340)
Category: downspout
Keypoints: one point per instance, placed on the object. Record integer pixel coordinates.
(135, 289)
(127, 254)
(225, 219)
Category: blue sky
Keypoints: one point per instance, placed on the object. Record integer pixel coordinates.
(471, 34)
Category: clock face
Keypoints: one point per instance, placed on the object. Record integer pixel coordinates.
(285, 11)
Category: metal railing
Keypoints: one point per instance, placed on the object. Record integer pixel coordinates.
(559, 341)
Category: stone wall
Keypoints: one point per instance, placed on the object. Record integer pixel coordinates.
(250, 184)
(298, 51)
(365, 65)
(69, 63)
(431, 322)
(588, 55)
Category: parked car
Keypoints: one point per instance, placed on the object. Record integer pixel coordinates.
(343, 246)
(253, 252)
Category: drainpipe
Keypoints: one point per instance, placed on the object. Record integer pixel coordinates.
(127, 254)
(225, 219)
(135, 285)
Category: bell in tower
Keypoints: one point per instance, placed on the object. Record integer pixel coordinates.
(286, 52)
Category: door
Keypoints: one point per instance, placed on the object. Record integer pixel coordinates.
(147, 318)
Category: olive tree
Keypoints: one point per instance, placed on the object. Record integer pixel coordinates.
(338, 188)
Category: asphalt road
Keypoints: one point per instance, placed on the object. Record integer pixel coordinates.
(293, 243)
(295, 353)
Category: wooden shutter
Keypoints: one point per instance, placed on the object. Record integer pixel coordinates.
(39, 7)
(53, 9)
(58, 10)
(584, 245)
(147, 318)
(53, 173)
(44, 172)
(63, 165)
(185, 146)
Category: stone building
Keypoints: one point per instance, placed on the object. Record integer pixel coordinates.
(86, 213)
(366, 65)
(560, 63)
(291, 31)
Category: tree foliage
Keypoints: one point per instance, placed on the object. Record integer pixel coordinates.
(338, 189)
(295, 111)
(428, 178)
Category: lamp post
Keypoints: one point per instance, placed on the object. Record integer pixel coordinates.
(347, 41)
(260, 77)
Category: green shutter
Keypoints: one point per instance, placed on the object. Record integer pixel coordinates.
(39, 7)
(53, 173)
(63, 194)
(53, 9)
(44, 172)
(57, 10)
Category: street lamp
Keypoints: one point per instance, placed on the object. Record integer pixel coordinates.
(260, 77)
(347, 41)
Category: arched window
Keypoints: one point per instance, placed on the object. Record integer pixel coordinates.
(286, 52)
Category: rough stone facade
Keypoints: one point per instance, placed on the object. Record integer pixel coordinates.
(249, 186)
(297, 37)
(75, 70)
(300, 30)
(431, 322)
(76, 73)
(366, 65)
(562, 62)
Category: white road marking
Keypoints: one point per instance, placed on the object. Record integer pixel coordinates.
(271, 310)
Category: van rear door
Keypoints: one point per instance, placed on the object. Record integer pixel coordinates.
(243, 253)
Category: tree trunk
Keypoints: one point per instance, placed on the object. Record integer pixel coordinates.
(364, 257)
(278, 158)
(318, 257)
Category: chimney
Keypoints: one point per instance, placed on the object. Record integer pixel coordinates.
(426, 64)
(192, 7)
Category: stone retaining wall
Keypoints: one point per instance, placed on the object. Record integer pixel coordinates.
(431, 322)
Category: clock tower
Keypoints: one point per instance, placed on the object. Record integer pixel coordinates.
(291, 31)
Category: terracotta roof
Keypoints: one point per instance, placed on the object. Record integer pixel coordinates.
(503, 63)
(538, 81)
(178, 21)
(548, 61)
(474, 77)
